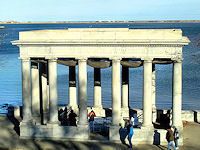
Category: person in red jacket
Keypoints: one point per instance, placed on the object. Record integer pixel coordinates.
(91, 116)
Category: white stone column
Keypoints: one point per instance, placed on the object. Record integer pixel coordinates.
(35, 93)
(116, 100)
(53, 97)
(154, 111)
(125, 92)
(147, 94)
(82, 89)
(45, 92)
(98, 109)
(72, 88)
(116, 92)
(45, 101)
(97, 88)
(26, 95)
(177, 94)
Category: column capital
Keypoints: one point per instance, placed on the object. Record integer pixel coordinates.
(177, 60)
(24, 58)
(115, 58)
(49, 58)
(147, 59)
(81, 58)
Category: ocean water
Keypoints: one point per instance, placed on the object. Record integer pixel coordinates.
(10, 68)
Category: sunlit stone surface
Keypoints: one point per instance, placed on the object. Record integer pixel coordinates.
(113, 44)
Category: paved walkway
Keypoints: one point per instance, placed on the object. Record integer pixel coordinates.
(9, 139)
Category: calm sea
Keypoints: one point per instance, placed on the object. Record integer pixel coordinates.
(10, 68)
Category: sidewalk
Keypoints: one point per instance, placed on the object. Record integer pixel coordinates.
(9, 139)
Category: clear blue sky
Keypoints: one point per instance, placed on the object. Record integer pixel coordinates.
(99, 10)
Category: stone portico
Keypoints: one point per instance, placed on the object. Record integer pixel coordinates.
(41, 50)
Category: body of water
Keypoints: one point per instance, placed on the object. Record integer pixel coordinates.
(10, 68)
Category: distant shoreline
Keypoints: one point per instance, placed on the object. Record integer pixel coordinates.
(62, 22)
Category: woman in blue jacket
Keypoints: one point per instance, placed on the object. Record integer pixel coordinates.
(130, 133)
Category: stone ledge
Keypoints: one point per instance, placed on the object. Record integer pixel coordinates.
(42, 131)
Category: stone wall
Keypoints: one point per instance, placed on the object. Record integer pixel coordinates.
(187, 115)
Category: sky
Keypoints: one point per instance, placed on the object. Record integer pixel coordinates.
(99, 10)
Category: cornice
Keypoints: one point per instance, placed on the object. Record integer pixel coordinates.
(138, 42)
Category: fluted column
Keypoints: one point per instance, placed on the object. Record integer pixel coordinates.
(82, 89)
(72, 87)
(147, 93)
(26, 95)
(154, 111)
(125, 91)
(53, 97)
(116, 92)
(177, 94)
(35, 93)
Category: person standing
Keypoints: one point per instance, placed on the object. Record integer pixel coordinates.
(122, 123)
(91, 116)
(176, 137)
(72, 118)
(170, 138)
(130, 133)
(126, 127)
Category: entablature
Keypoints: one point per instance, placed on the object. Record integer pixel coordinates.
(102, 43)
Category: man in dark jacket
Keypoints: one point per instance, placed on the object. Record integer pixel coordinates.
(170, 138)
(72, 118)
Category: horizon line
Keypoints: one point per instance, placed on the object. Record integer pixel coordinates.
(150, 21)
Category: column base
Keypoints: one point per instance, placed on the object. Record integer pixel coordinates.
(25, 128)
(36, 120)
(99, 111)
(56, 123)
(125, 112)
(45, 117)
(83, 130)
(147, 127)
(26, 123)
(83, 124)
(154, 114)
(114, 133)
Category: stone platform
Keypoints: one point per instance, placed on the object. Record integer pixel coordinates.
(54, 131)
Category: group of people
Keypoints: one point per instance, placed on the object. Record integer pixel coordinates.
(172, 137)
(126, 125)
(67, 117)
